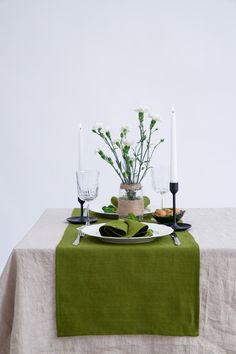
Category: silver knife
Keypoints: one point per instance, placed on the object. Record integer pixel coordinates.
(175, 239)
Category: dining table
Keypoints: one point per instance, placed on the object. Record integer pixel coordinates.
(28, 301)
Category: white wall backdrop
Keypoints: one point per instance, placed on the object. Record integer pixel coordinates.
(67, 61)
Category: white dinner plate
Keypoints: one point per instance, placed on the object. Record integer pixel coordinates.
(158, 231)
(98, 210)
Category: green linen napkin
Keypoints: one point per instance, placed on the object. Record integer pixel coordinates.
(112, 289)
(126, 227)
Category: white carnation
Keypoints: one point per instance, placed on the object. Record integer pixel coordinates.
(128, 142)
(142, 109)
(98, 126)
(96, 151)
(154, 116)
(124, 129)
(116, 142)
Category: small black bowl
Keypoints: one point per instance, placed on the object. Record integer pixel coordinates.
(169, 218)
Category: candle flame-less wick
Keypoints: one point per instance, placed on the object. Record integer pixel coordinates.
(172, 110)
(80, 125)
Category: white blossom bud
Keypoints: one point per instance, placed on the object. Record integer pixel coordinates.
(154, 117)
(98, 126)
(141, 109)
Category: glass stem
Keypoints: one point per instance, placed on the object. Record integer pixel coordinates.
(87, 218)
(162, 201)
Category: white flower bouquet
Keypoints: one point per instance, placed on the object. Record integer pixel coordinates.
(130, 161)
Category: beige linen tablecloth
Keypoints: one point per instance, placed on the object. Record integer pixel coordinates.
(27, 294)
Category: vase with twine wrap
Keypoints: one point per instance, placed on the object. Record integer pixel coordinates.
(131, 200)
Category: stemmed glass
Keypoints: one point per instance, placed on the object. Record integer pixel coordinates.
(160, 181)
(87, 185)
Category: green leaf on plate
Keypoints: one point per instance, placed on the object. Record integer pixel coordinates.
(109, 209)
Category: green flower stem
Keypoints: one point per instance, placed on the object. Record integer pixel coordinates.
(113, 149)
(121, 176)
(126, 159)
(135, 162)
(149, 160)
(122, 136)
(147, 151)
(148, 144)
(142, 138)
(137, 159)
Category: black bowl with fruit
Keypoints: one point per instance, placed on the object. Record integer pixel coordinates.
(165, 216)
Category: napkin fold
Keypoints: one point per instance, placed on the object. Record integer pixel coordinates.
(125, 227)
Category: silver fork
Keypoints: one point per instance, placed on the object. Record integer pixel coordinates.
(80, 234)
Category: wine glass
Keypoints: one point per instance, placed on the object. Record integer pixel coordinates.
(87, 185)
(160, 181)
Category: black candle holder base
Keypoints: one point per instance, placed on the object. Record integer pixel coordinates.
(179, 226)
(80, 220)
(174, 186)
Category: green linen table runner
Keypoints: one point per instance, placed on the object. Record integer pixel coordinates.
(105, 289)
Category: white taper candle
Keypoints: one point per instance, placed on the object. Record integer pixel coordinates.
(80, 148)
(173, 152)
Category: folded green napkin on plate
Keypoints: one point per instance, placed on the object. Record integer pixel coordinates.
(126, 227)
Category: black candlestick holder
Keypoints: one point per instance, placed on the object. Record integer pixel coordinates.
(81, 219)
(174, 187)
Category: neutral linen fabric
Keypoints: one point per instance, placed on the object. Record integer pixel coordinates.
(150, 288)
(27, 294)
